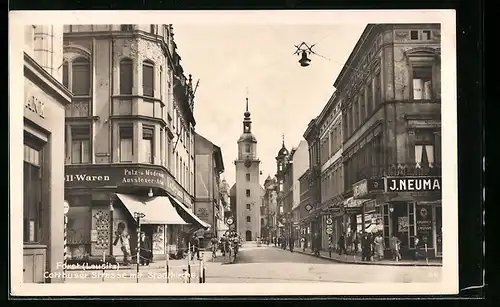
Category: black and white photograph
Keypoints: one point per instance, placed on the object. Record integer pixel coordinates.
(248, 152)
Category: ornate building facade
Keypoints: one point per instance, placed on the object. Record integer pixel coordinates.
(390, 92)
(129, 140)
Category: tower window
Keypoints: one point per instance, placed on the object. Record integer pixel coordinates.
(248, 206)
(248, 177)
(248, 219)
(248, 193)
(247, 147)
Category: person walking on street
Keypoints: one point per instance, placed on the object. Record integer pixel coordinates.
(291, 243)
(365, 247)
(342, 244)
(145, 251)
(316, 244)
(379, 246)
(395, 244)
(195, 245)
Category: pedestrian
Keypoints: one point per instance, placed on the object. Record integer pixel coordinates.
(417, 249)
(365, 247)
(291, 243)
(195, 245)
(379, 246)
(342, 244)
(123, 237)
(356, 242)
(316, 244)
(145, 249)
(303, 243)
(395, 244)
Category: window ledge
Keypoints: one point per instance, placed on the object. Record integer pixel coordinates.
(81, 118)
(34, 246)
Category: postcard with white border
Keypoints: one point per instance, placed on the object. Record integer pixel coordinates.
(249, 152)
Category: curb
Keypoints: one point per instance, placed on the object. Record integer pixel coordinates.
(371, 262)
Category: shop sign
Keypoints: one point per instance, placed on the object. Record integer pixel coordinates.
(424, 222)
(413, 184)
(35, 105)
(370, 206)
(360, 188)
(102, 176)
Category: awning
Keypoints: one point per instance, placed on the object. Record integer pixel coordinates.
(156, 210)
(191, 214)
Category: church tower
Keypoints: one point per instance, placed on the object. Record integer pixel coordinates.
(247, 188)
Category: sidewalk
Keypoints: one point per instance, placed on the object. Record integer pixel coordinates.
(357, 259)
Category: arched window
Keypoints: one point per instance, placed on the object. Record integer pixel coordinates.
(148, 78)
(80, 77)
(126, 76)
(248, 219)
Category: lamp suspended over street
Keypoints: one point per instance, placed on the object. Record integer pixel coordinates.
(304, 50)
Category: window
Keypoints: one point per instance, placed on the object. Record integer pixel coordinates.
(32, 194)
(422, 82)
(80, 77)
(248, 177)
(424, 148)
(152, 29)
(126, 27)
(362, 110)
(248, 219)
(247, 148)
(248, 206)
(126, 150)
(414, 35)
(369, 99)
(147, 143)
(65, 80)
(148, 79)
(126, 76)
(248, 192)
(355, 115)
(80, 144)
(280, 167)
(161, 88)
(426, 35)
(378, 90)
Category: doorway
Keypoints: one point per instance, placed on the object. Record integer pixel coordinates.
(248, 235)
(439, 231)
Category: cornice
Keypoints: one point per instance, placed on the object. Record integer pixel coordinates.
(42, 78)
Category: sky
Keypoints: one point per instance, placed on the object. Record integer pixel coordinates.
(257, 61)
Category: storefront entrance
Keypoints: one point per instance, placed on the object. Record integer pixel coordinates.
(248, 235)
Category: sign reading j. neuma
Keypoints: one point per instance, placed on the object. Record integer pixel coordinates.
(94, 176)
(412, 184)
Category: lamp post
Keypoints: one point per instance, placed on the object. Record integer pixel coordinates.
(138, 216)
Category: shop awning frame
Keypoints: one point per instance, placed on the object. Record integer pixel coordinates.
(157, 210)
(179, 205)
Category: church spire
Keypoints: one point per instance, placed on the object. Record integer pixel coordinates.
(247, 121)
(283, 140)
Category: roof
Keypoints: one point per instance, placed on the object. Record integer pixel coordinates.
(247, 137)
(283, 151)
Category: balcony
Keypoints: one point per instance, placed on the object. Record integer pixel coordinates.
(396, 170)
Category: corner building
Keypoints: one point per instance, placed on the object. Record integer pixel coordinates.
(129, 139)
(390, 92)
(45, 99)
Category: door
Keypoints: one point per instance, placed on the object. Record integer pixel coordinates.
(248, 235)
(439, 231)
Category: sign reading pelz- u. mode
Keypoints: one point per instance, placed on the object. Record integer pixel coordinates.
(413, 184)
(78, 177)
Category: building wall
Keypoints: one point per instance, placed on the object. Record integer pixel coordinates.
(107, 105)
(45, 99)
(300, 165)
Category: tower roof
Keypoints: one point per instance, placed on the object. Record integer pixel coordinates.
(283, 151)
(247, 135)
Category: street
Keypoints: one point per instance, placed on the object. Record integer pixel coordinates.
(268, 264)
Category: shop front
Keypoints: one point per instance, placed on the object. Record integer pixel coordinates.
(43, 164)
(412, 207)
(409, 208)
(108, 202)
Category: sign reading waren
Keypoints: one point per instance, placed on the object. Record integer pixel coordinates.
(126, 175)
(413, 184)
